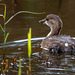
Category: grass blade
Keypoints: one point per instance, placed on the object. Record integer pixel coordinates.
(2, 28)
(21, 12)
(6, 38)
(4, 16)
(29, 43)
(19, 73)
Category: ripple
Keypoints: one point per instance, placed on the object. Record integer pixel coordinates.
(20, 42)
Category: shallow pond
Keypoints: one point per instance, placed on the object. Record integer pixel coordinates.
(16, 46)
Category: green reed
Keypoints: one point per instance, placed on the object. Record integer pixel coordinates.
(3, 28)
(29, 54)
(22, 12)
(19, 72)
(29, 50)
(29, 43)
(6, 22)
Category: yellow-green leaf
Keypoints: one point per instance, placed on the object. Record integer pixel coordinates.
(21, 12)
(29, 43)
(6, 38)
(4, 16)
(2, 28)
(19, 73)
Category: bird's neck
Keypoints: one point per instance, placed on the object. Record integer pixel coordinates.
(55, 30)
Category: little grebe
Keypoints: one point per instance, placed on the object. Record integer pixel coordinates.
(55, 42)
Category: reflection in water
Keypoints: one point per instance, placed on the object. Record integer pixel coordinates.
(59, 6)
(56, 63)
(46, 63)
(20, 42)
(14, 2)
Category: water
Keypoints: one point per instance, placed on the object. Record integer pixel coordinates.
(46, 64)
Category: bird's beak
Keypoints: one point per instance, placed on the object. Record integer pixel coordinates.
(42, 21)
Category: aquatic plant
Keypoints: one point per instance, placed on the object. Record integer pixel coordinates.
(6, 66)
(29, 43)
(29, 50)
(21, 12)
(5, 38)
(3, 28)
(19, 72)
(6, 22)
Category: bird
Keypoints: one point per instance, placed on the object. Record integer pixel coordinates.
(55, 42)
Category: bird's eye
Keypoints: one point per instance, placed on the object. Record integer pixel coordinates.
(47, 19)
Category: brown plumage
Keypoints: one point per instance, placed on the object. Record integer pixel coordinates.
(55, 42)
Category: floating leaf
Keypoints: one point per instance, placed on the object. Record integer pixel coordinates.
(2, 28)
(21, 12)
(19, 67)
(29, 43)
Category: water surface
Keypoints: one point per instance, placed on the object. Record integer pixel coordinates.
(58, 64)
